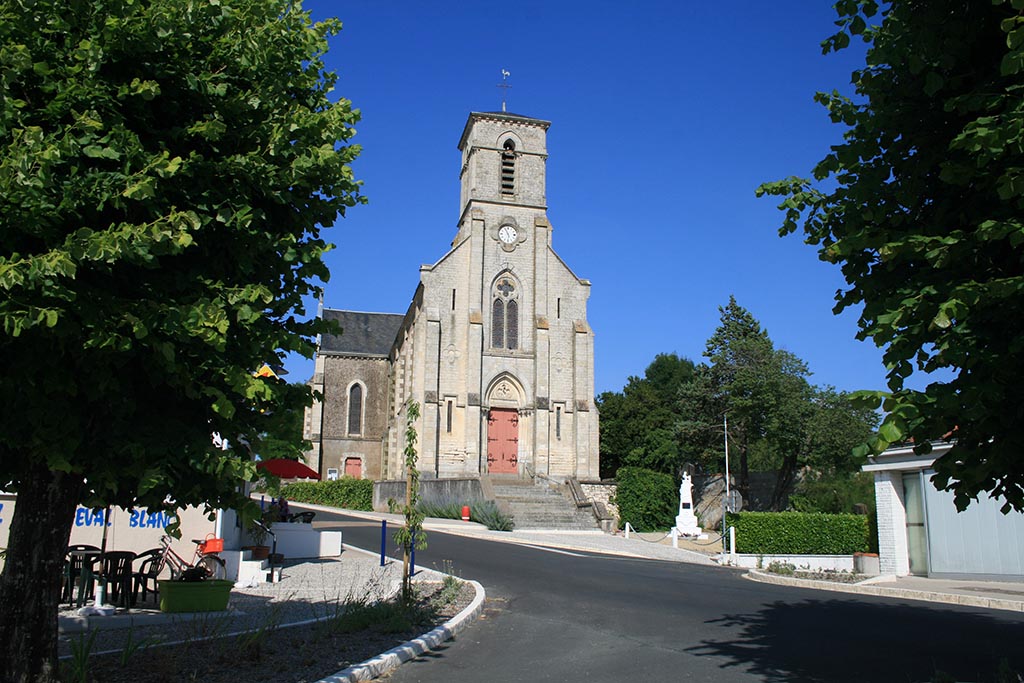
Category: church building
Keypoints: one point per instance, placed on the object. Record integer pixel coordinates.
(495, 346)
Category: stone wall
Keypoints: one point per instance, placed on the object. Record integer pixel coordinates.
(338, 442)
(601, 492)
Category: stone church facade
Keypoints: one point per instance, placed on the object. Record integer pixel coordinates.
(495, 346)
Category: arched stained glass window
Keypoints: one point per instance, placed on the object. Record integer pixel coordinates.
(505, 316)
(355, 409)
(498, 324)
(512, 324)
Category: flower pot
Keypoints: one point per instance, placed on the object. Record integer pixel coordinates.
(195, 596)
(258, 552)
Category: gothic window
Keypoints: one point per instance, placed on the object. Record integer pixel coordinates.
(498, 324)
(355, 409)
(505, 315)
(508, 168)
(512, 324)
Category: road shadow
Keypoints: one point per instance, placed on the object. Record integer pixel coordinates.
(853, 640)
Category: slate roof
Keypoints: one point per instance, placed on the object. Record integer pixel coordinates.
(363, 334)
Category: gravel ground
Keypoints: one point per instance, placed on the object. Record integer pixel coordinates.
(252, 643)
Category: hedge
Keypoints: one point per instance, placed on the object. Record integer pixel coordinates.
(648, 500)
(346, 492)
(799, 533)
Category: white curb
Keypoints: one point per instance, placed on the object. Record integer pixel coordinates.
(395, 657)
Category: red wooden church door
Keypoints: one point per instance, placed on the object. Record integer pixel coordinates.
(354, 468)
(503, 441)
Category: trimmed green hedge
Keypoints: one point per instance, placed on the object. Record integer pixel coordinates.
(648, 500)
(348, 493)
(799, 533)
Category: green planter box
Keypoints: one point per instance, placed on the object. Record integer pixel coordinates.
(195, 596)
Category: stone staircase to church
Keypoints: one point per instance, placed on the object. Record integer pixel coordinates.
(540, 507)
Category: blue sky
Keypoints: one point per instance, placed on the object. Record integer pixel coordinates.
(665, 118)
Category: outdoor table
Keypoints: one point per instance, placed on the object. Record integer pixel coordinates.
(86, 571)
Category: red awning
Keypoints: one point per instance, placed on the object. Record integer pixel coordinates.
(287, 469)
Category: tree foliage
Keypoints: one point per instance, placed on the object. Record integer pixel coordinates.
(165, 170)
(777, 420)
(648, 500)
(283, 438)
(411, 536)
(921, 205)
(639, 425)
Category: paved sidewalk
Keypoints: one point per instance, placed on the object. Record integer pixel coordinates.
(309, 591)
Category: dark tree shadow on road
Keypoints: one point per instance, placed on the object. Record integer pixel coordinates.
(844, 640)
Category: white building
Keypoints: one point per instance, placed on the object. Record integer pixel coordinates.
(921, 532)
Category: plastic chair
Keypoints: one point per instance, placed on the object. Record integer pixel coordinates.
(144, 572)
(146, 579)
(78, 570)
(117, 574)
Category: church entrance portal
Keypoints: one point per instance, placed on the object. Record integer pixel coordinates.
(503, 441)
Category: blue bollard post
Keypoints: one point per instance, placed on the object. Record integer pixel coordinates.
(412, 557)
(383, 539)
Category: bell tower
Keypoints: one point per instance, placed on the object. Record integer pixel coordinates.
(504, 158)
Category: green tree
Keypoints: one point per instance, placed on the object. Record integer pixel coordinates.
(743, 379)
(283, 437)
(777, 420)
(921, 206)
(638, 425)
(165, 168)
(411, 536)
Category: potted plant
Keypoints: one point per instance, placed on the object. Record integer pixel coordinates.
(194, 592)
(257, 530)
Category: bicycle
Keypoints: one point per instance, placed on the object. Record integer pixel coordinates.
(209, 564)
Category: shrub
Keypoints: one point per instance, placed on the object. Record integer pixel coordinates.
(648, 500)
(346, 492)
(799, 533)
(481, 511)
(488, 514)
(836, 493)
(781, 568)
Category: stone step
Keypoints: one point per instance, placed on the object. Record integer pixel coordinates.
(542, 507)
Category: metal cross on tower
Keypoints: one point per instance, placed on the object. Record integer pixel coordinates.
(505, 86)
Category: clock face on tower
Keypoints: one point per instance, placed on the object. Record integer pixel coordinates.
(508, 234)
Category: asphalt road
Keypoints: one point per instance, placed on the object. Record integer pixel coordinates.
(560, 616)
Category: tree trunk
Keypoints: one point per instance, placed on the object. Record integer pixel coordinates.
(783, 482)
(744, 480)
(31, 580)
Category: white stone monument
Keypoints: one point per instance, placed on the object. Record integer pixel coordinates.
(686, 520)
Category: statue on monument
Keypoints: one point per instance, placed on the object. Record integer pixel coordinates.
(686, 520)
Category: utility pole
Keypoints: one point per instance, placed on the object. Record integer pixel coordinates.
(725, 503)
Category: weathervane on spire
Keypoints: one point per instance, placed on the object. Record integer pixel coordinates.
(504, 85)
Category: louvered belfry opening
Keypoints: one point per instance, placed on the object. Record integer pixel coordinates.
(508, 168)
